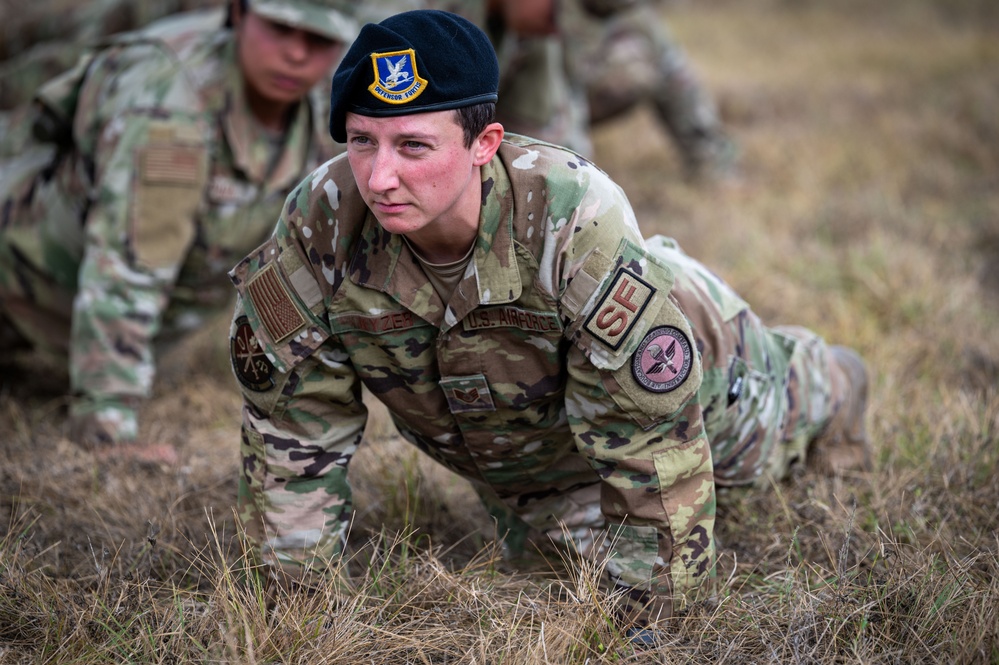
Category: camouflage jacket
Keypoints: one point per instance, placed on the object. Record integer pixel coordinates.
(165, 183)
(537, 377)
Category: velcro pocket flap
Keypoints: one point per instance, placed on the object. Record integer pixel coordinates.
(171, 180)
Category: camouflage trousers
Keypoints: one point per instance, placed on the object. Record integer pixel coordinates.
(766, 394)
(630, 58)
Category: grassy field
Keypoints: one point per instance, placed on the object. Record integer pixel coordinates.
(868, 210)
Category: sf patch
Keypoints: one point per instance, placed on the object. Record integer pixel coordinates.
(620, 307)
(249, 362)
(663, 360)
(396, 79)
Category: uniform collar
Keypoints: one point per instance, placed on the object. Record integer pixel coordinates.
(382, 261)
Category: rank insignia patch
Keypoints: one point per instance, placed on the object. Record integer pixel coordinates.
(467, 393)
(663, 360)
(468, 397)
(249, 362)
(396, 78)
(620, 307)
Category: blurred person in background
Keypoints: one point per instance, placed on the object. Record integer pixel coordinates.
(563, 66)
(495, 294)
(43, 38)
(620, 54)
(566, 66)
(135, 181)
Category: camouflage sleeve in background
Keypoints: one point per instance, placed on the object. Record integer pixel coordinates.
(150, 170)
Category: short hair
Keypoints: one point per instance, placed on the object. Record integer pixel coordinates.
(473, 119)
(243, 4)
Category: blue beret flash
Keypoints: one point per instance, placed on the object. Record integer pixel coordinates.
(413, 62)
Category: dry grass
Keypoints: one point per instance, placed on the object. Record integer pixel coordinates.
(869, 211)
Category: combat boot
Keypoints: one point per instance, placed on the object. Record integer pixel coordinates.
(843, 444)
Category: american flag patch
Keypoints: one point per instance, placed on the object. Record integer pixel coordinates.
(274, 305)
(171, 164)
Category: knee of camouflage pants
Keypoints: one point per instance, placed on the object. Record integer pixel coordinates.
(35, 292)
(563, 521)
(810, 398)
(37, 311)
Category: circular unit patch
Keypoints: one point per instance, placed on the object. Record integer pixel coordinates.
(252, 366)
(663, 360)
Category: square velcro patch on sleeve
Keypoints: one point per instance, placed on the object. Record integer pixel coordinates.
(180, 165)
(619, 308)
(274, 304)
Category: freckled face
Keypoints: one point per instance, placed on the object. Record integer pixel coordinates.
(415, 173)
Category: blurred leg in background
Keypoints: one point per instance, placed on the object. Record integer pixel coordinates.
(621, 54)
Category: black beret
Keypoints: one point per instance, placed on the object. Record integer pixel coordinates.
(426, 60)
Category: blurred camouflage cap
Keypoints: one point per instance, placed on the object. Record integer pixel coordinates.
(329, 18)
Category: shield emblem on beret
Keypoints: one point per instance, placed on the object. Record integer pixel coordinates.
(396, 79)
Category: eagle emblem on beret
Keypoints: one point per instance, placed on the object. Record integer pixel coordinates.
(397, 80)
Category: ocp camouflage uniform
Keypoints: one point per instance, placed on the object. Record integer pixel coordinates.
(575, 376)
(117, 231)
(43, 38)
(620, 54)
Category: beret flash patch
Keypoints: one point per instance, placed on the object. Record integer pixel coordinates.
(663, 360)
(396, 79)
